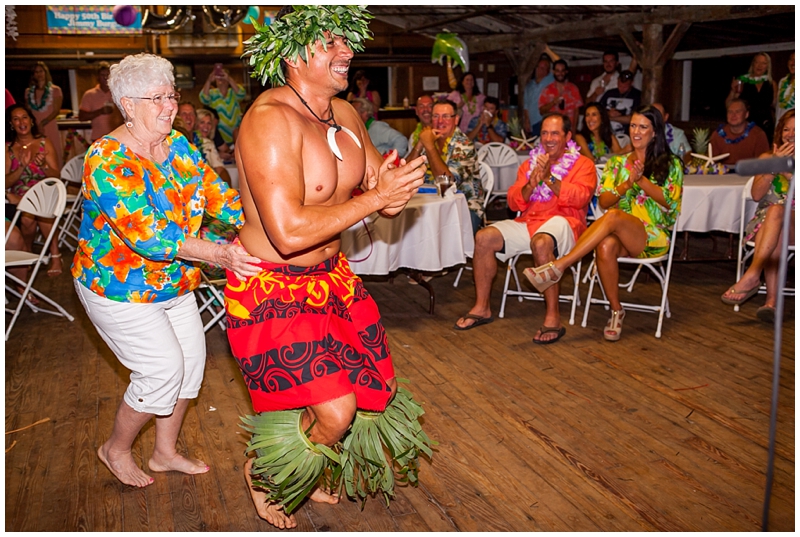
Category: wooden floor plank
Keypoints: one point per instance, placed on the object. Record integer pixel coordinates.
(583, 435)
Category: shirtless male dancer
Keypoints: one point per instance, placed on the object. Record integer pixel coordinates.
(305, 332)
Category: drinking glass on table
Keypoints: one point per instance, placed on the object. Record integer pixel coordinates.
(443, 182)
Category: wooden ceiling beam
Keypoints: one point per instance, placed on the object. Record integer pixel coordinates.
(605, 26)
(441, 23)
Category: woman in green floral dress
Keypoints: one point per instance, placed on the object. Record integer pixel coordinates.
(641, 194)
(765, 228)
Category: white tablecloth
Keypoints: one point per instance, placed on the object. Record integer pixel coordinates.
(430, 234)
(506, 176)
(713, 202)
(233, 171)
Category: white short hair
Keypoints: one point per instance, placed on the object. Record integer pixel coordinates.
(136, 74)
(366, 105)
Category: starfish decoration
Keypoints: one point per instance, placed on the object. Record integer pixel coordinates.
(525, 141)
(710, 159)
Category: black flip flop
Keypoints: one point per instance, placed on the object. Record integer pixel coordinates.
(479, 321)
(547, 330)
(766, 314)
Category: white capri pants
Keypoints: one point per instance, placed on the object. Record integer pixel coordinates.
(517, 239)
(162, 343)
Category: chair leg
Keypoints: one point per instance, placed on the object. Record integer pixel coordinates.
(509, 269)
(593, 269)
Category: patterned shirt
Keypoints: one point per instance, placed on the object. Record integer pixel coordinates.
(571, 95)
(137, 216)
(227, 107)
(498, 125)
(462, 161)
(657, 219)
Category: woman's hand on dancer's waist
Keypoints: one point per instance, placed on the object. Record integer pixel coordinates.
(236, 259)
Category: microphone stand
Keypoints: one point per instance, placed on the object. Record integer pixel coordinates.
(776, 373)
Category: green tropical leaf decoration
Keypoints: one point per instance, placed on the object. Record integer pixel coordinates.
(288, 37)
(448, 45)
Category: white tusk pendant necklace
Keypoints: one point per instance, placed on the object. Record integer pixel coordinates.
(333, 127)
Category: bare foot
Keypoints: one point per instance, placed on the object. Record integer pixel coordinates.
(320, 496)
(55, 265)
(124, 467)
(270, 512)
(178, 463)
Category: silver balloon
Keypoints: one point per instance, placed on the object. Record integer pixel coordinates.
(173, 18)
(225, 17)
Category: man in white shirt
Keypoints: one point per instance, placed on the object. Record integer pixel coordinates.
(383, 136)
(607, 80)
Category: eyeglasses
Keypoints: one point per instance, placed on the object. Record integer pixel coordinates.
(443, 116)
(158, 100)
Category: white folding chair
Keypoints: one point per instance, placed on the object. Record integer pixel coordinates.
(211, 299)
(46, 199)
(656, 266)
(623, 139)
(487, 180)
(498, 155)
(72, 174)
(511, 270)
(747, 248)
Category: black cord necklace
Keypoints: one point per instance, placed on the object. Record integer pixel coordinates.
(330, 122)
(333, 127)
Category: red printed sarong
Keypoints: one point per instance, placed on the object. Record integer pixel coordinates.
(307, 335)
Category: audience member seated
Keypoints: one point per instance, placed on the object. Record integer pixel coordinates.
(488, 127)
(188, 114)
(759, 91)
(30, 158)
(98, 107)
(622, 101)
(542, 77)
(210, 131)
(358, 89)
(552, 191)
(596, 139)
(383, 136)
(43, 99)
(741, 138)
(785, 92)
(468, 99)
(561, 96)
(675, 136)
(766, 227)
(451, 153)
(641, 193)
(424, 110)
(224, 95)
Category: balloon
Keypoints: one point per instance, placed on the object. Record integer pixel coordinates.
(224, 17)
(172, 19)
(124, 15)
(252, 15)
(451, 46)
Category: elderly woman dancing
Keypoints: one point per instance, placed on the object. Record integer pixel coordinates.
(642, 195)
(146, 191)
(770, 191)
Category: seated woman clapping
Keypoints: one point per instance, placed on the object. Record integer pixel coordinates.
(642, 195)
(596, 139)
(770, 191)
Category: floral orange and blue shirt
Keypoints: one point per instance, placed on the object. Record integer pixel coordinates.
(138, 214)
(657, 219)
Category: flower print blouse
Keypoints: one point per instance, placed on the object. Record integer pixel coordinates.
(657, 219)
(138, 214)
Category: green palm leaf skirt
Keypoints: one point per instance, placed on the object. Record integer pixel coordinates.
(379, 449)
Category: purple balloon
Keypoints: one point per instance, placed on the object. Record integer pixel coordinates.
(124, 15)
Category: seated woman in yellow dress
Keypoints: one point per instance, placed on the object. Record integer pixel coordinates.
(641, 193)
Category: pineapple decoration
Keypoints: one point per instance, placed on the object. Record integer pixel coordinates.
(452, 47)
(703, 159)
(701, 138)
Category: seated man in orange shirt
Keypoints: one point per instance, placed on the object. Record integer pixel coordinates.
(740, 138)
(552, 192)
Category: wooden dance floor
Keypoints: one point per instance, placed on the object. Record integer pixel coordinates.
(583, 435)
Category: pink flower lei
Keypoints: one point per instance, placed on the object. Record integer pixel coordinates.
(558, 171)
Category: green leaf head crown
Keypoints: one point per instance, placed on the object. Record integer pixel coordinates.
(294, 33)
